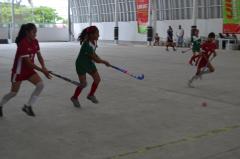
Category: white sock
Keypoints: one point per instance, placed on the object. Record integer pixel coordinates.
(32, 100)
(205, 72)
(7, 97)
(35, 94)
(195, 77)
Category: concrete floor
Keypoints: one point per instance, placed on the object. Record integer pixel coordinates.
(157, 118)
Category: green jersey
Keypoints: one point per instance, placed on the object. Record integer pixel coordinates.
(84, 62)
(196, 44)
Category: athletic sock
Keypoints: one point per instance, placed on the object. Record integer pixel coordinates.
(35, 94)
(93, 89)
(77, 92)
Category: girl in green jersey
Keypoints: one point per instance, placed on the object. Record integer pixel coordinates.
(85, 63)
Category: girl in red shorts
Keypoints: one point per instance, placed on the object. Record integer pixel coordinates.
(24, 67)
(208, 48)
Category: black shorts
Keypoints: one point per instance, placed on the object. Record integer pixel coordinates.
(169, 40)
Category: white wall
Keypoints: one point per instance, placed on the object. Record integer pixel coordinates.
(3, 33)
(43, 34)
(128, 30)
(52, 34)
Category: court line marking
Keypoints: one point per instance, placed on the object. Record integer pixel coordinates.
(186, 139)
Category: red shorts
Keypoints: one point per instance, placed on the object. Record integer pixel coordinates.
(22, 77)
(202, 63)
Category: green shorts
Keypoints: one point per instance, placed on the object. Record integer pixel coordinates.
(196, 49)
(83, 69)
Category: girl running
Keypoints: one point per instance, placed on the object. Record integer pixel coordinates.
(196, 46)
(85, 64)
(208, 48)
(24, 67)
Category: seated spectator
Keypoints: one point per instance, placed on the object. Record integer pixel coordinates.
(234, 36)
(221, 36)
(156, 40)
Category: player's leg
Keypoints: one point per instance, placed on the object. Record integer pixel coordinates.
(78, 90)
(192, 59)
(96, 80)
(196, 76)
(173, 46)
(14, 90)
(167, 45)
(209, 69)
(37, 81)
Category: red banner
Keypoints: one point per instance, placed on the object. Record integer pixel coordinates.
(142, 15)
(231, 16)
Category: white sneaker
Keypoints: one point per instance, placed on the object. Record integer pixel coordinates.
(190, 83)
(93, 99)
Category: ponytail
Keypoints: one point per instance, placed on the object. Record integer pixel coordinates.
(23, 31)
(82, 36)
(86, 32)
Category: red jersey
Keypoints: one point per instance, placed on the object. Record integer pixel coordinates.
(25, 49)
(207, 49)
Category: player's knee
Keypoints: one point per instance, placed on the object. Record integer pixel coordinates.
(40, 86)
(83, 84)
(212, 70)
(97, 80)
(12, 94)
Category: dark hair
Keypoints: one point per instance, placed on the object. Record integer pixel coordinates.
(211, 35)
(195, 31)
(86, 32)
(23, 31)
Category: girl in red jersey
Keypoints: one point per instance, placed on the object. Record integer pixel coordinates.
(85, 63)
(208, 48)
(24, 67)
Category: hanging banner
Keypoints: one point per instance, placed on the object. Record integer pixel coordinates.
(231, 16)
(142, 15)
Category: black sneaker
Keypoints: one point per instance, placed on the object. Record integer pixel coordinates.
(1, 113)
(75, 102)
(28, 110)
(93, 99)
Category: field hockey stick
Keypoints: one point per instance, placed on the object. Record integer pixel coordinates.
(185, 51)
(139, 77)
(66, 79)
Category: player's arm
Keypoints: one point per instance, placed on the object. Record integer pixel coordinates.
(42, 63)
(97, 59)
(29, 63)
(40, 59)
(214, 53)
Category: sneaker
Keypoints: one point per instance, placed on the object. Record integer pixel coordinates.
(1, 113)
(190, 83)
(28, 110)
(75, 102)
(93, 99)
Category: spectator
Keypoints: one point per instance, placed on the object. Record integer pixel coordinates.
(227, 36)
(156, 40)
(234, 36)
(180, 35)
(221, 36)
(170, 39)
